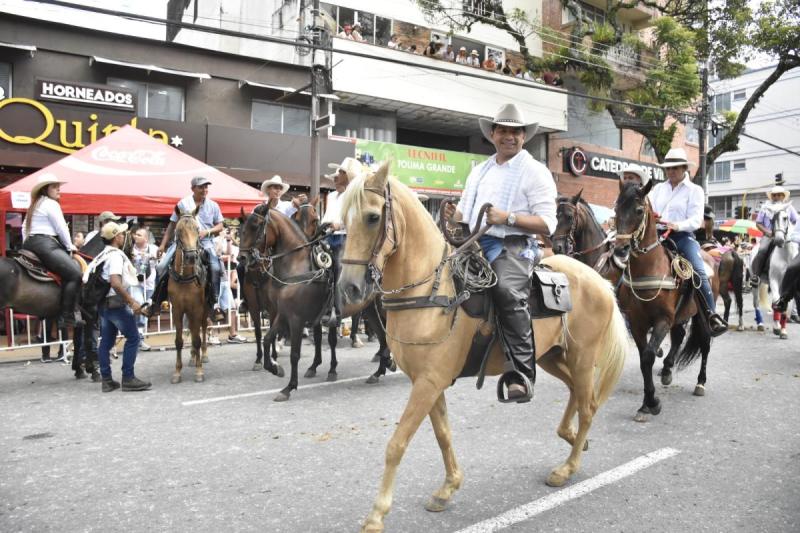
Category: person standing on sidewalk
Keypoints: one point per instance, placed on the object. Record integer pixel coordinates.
(144, 260)
(118, 310)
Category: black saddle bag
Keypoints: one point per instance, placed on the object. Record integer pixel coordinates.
(549, 293)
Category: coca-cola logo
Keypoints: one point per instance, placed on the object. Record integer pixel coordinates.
(131, 157)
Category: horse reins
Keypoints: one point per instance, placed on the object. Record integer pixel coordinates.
(570, 241)
(180, 276)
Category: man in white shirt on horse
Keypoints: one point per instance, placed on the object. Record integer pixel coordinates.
(777, 200)
(678, 205)
(523, 195)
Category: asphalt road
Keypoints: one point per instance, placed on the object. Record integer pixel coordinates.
(202, 457)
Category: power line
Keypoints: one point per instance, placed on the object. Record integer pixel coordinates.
(743, 134)
(313, 47)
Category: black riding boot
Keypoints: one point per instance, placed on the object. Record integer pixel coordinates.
(159, 296)
(511, 302)
(716, 324)
(759, 261)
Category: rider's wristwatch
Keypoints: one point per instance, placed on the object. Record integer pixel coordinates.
(512, 219)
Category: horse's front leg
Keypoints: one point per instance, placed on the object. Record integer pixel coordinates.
(676, 335)
(453, 474)
(647, 356)
(296, 336)
(177, 319)
(259, 349)
(197, 327)
(312, 370)
(333, 339)
(424, 394)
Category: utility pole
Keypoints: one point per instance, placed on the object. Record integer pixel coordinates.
(316, 56)
(702, 177)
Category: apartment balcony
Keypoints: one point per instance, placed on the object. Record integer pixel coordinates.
(448, 100)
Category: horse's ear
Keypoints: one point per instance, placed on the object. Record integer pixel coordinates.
(575, 199)
(196, 210)
(314, 201)
(645, 190)
(241, 213)
(381, 176)
(177, 212)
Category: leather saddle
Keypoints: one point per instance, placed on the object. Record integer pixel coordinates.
(33, 266)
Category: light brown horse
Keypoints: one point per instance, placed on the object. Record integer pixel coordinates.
(399, 241)
(187, 293)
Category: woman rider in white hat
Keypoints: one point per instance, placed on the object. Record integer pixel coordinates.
(46, 234)
(778, 199)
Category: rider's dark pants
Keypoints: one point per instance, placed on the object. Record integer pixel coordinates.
(56, 259)
(690, 249)
(760, 260)
(336, 243)
(510, 297)
(791, 279)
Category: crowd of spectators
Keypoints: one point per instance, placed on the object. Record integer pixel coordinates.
(438, 49)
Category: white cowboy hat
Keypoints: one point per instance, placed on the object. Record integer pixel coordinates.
(676, 157)
(778, 190)
(43, 181)
(508, 115)
(351, 166)
(474, 53)
(274, 180)
(639, 170)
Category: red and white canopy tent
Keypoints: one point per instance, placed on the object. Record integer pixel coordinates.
(129, 173)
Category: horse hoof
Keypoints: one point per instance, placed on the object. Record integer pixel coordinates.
(278, 371)
(310, 373)
(199, 378)
(332, 376)
(784, 336)
(281, 397)
(372, 380)
(666, 378)
(436, 504)
(175, 379)
(257, 367)
(392, 366)
(699, 390)
(556, 479)
(641, 417)
(205, 359)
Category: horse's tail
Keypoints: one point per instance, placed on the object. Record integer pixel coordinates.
(614, 343)
(737, 279)
(699, 340)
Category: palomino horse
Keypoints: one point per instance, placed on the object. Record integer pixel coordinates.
(393, 239)
(731, 271)
(653, 301)
(186, 288)
(783, 252)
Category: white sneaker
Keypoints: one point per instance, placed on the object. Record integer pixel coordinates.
(144, 347)
(236, 339)
(213, 340)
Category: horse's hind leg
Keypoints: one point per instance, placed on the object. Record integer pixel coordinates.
(700, 388)
(332, 341)
(556, 366)
(583, 393)
(296, 335)
(259, 348)
(197, 327)
(453, 474)
(312, 370)
(424, 394)
(177, 320)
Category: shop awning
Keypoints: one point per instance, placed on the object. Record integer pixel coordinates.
(242, 83)
(130, 173)
(150, 68)
(27, 47)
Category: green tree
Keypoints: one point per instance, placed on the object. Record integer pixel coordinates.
(664, 83)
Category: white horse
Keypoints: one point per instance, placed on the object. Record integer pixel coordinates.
(782, 253)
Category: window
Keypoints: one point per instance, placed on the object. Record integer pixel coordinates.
(595, 14)
(154, 100)
(692, 133)
(740, 164)
(740, 94)
(722, 102)
(720, 172)
(278, 118)
(5, 80)
(383, 30)
(367, 21)
(723, 206)
(352, 122)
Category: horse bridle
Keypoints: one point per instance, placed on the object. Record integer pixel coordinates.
(569, 238)
(186, 253)
(638, 234)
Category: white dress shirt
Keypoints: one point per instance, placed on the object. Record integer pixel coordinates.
(333, 212)
(48, 219)
(284, 207)
(682, 205)
(537, 192)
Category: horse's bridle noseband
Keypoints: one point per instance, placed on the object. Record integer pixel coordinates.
(191, 254)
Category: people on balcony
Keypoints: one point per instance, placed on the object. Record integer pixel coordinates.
(474, 59)
(490, 64)
(462, 58)
(393, 42)
(346, 33)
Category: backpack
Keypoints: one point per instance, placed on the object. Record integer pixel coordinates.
(94, 291)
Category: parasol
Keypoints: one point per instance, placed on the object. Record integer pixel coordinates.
(738, 225)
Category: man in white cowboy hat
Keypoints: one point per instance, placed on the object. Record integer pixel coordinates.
(345, 172)
(474, 59)
(46, 234)
(209, 217)
(273, 189)
(678, 206)
(635, 173)
(523, 194)
(777, 201)
(117, 309)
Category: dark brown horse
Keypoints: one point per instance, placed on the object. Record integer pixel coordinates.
(653, 301)
(186, 288)
(731, 270)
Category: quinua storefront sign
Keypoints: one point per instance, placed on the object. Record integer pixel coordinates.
(29, 122)
(424, 169)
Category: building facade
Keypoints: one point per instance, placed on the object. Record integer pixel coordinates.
(743, 177)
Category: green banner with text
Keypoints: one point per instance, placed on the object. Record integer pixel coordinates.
(423, 169)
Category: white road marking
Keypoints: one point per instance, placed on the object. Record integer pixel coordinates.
(536, 507)
(274, 391)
